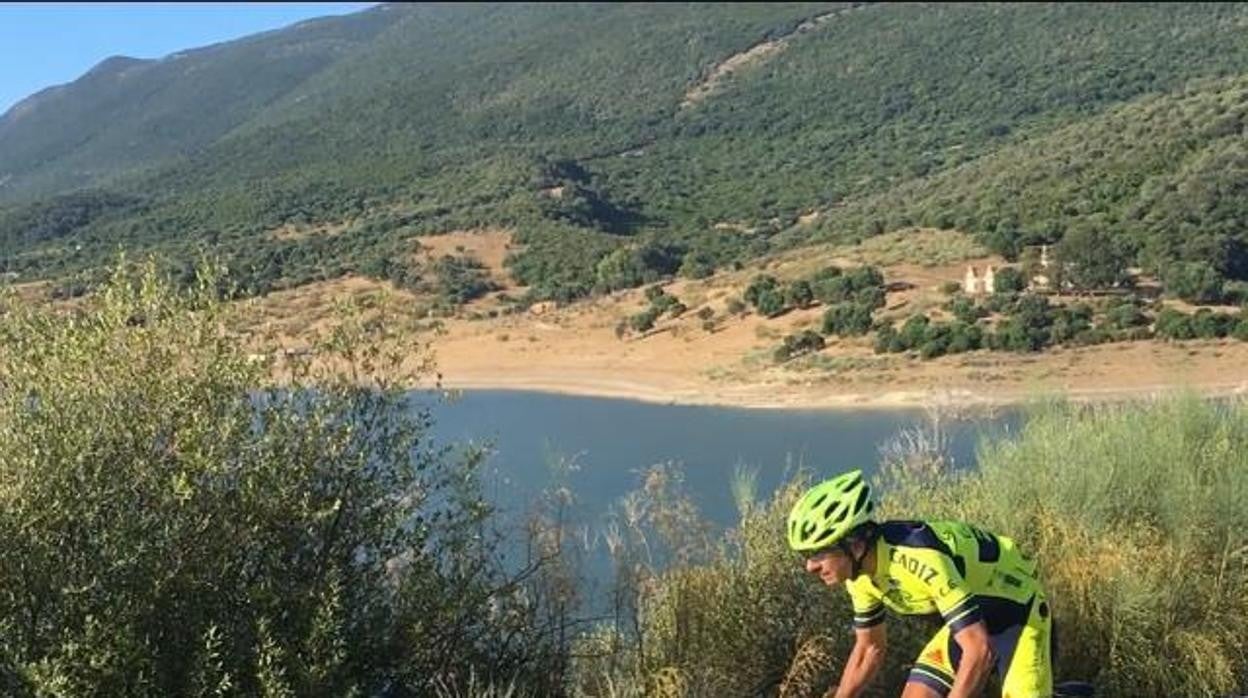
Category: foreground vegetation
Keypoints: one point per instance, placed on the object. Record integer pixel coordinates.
(176, 523)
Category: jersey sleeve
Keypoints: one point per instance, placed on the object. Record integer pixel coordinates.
(868, 611)
(936, 575)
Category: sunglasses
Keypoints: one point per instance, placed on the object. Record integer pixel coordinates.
(810, 555)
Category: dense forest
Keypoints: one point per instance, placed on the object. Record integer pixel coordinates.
(1020, 124)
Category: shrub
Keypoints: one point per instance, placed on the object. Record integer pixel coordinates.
(913, 332)
(758, 285)
(847, 320)
(697, 265)
(964, 337)
(1008, 280)
(836, 289)
(1124, 315)
(644, 321)
(1172, 324)
(1194, 282)
(872, 297)
(1240, 331)
(795, 345)
(1207, 324)
(799, 294)
(887, 340)
(1112, 501)
(179, 523)
(771, 303)
(965, 309)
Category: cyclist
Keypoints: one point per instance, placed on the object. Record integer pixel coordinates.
(994, 611)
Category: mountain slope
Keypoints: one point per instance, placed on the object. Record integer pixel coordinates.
(458, 116)
(127, 113)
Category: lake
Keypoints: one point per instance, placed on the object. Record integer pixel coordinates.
(610, 440)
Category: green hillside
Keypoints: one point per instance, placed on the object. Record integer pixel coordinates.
(430, 118)
(127, 114)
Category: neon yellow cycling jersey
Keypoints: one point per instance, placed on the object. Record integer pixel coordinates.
(944, 567)
(966, 575)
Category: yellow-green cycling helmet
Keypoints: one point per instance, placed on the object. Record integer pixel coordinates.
(829, 511)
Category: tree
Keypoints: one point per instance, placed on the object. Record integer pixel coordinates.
(1008, 280)
(697, 265)
(1090, 257)
(1194, 282)
(913, 332)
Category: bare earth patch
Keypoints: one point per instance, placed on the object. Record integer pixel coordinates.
(575, 349)
(489, 246)
(721, 73)
(299, 231)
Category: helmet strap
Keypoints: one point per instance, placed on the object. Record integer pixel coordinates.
(855, 560)
(868, 540)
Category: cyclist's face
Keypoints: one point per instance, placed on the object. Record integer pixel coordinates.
(832, 565)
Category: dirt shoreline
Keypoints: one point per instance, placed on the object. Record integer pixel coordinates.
(770, 397)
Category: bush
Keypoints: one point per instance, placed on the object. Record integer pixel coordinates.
(697, 265)
(1125, 315)
(795, 345)
(461, 279)
(836, 289)
(965, 309)
(771, 303)
(1139, 491)
(1172, 324)
(1240, 331)
(870, 297)
(799, 294)
(178, 523)
(759, 285)
(1194, 282)
(847, 320)
(734, 306)
(1008, 280)
(887, 340)
(644, 321)
(913, 332)
(964, 337)
(951, 287)
(1068, 322)
(1207, 324)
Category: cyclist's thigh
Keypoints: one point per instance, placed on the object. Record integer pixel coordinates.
(1030, 674)
(933, 671)
(918, 690)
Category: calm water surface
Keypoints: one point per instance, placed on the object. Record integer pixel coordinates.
(610, 441)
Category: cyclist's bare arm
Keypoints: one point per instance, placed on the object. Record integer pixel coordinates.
(977, 660)
(864, 660)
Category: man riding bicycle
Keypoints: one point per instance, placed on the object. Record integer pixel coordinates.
(987, 593)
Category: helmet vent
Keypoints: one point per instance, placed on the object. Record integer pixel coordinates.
(819, 501)
(862, 500)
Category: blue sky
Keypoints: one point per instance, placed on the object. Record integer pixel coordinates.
(44, 44)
